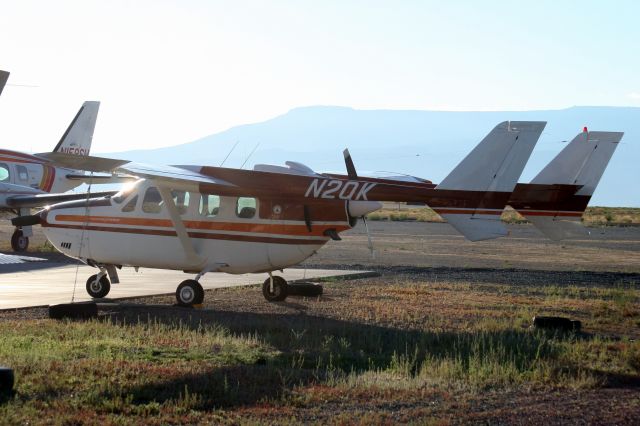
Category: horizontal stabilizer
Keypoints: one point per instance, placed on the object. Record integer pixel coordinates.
(88, 163)
(557, 229)
(477, 227)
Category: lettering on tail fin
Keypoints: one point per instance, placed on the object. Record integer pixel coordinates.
(73, 150)
(343, 190)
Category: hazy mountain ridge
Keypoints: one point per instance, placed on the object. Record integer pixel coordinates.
(422, 143)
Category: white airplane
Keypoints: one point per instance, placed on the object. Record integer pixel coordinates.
(200, 219)
(28, 181)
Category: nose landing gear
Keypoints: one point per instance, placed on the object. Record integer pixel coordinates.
(275, 289)
(19, 242)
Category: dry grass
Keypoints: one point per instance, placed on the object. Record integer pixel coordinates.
(390, 349)
(593, 216)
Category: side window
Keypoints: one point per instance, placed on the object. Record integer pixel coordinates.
(152, 200)
(23, 174)
(181, 199)
(246, 207)
(209, 205)
(4, 173)
(131, 205)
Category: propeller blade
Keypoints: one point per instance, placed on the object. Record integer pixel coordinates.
(351, 169)
(370, 242)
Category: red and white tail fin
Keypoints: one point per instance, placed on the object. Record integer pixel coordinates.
(77, 138)
(490, 173)
(4, 76)
(580, 164)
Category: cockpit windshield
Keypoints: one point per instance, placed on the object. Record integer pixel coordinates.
(126, 190)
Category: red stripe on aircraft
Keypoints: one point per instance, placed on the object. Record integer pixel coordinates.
(201, 235)
(262, 228)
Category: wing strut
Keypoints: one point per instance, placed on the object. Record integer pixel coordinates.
(181, 230)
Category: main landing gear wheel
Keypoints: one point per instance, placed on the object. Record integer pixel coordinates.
(98, 288)
(279, 291)
(18, 241)
(189, 293)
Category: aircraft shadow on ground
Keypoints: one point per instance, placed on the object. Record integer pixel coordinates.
(314, 350)
(51, 260)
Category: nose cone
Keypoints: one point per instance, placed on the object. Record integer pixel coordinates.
(361, 208)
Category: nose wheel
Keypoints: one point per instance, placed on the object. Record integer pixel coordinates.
(189, 293)
(275, 289)
(98, 287)
(18, 241)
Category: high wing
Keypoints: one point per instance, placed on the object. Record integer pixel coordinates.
(176, 177)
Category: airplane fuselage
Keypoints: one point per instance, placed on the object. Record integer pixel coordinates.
(228, 234)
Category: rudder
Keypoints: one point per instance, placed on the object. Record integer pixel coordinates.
(77, 138)
(491, 171)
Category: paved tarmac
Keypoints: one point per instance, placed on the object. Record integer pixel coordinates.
(39, 286)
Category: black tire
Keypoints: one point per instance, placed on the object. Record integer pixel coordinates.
(280, 289)
(19, 242)
(304, 289)
(6, 380)
(189, 293)
(98, 289)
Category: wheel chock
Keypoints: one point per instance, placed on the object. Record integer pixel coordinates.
(558, 323)
(307, 289)
(6, 380)
(74, 311)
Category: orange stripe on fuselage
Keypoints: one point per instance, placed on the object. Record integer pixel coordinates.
(549, 213)
(262, 228)
(466, 211)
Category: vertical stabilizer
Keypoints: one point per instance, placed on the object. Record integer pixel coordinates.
(579, 166)
(78, 136)
(4, 76)
(491, 171)
(582, 162)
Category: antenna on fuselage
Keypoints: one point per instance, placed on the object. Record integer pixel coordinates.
(250, 154)
(230, 151)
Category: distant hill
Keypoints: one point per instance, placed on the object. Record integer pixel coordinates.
(427, 144)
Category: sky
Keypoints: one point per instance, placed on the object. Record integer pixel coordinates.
(169, 72)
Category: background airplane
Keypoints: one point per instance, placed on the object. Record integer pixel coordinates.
(27, 181)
